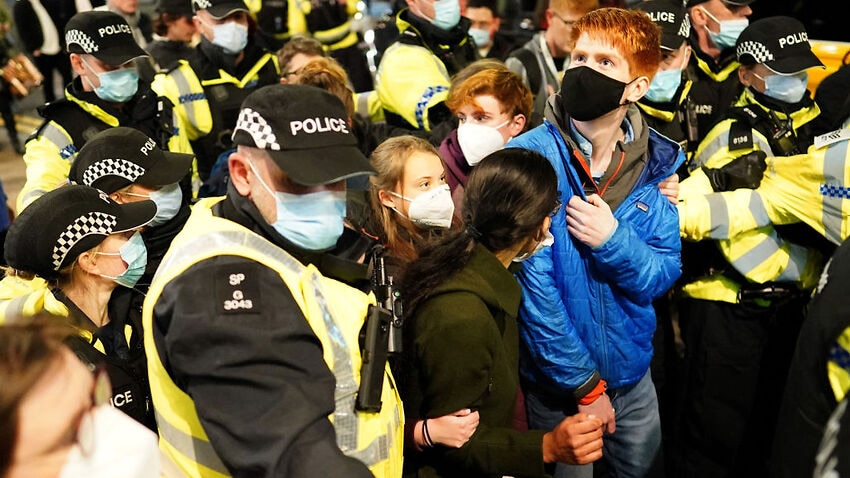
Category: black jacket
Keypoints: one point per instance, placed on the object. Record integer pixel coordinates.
(258, 380)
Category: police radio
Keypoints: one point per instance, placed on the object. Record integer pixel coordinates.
(383, 335)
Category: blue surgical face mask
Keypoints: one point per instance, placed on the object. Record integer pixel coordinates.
(232, 37)
(480, 36)
(135, 255)
(664, 85)
(446, 14)
(116, 86)
(168, 201)
(787, 88)
(730, 30)
(312, 221)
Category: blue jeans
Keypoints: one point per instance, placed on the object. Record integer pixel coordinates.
(631, 450)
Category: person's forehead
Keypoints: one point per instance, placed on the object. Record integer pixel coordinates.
(479, 13)
(595, 45)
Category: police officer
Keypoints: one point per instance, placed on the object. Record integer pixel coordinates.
(252, 346)
(227, 65)
(715, 27)
(663, 106)
(106, 93)
(74, 254)
(128, 165)
(415, 71)
(750, 298)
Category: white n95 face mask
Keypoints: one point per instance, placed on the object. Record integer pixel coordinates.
(119, 446)
(433, 208)
(478, 140)
(547, 241)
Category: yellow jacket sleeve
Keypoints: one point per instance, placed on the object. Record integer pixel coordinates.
(48, 160)
(410, 81)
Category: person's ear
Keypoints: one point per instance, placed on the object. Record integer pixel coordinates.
(387, 199)
(117, 197)
(241, 174)
(516, 125)
(687, 55)
(76, 63)
(637, 89)
(87, 262)
(698, 17)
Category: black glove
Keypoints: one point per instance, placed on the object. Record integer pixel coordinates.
(743, 172)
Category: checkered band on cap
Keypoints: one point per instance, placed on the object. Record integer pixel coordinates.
(758, 50)
(80, 38)
(112, 167)
(202, 4)
(685, 27)
(91, 223)
(255, 125)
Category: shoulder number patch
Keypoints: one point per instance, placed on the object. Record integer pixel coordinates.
(237, 290)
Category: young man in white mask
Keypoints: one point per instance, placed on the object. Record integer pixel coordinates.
(249, 277)
(208, 88)
(751, 292)
(415, 71)
(492, 107)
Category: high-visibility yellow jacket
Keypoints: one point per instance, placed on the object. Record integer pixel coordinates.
(412, 79)
(70, 122)
(812, 188)
(334, 311)
(758, 254)
(207, 100)
(21, 299)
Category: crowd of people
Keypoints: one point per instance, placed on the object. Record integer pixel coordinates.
(613, 246)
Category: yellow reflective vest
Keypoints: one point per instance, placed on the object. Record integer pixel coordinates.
(52, 149)
(335, 312)
(759, 254)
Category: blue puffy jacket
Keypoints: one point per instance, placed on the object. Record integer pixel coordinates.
(585, 310)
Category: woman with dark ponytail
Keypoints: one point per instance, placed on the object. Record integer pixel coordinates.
(461, 330)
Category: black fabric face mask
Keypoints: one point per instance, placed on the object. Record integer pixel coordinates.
(587, 94)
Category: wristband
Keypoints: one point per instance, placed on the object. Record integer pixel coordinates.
(597, 392)
(427, 435)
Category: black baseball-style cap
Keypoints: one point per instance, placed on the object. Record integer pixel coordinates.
(672, 17)
(121, 156)
(305, 130)
(219, 8)
(780, 43)
(105, 35)
(62, 224)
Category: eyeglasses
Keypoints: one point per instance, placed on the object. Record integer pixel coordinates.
(568, 23)
(101, 394)
(556, 208)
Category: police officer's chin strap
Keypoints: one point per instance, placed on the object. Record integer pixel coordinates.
(342, 262)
